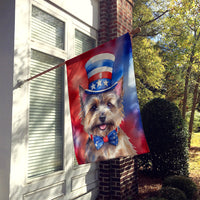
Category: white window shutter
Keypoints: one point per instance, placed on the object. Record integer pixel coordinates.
(46, 109)
(83, 42)
(47, 29)
(45, 139)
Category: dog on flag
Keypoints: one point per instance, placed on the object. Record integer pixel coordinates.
(102, 112)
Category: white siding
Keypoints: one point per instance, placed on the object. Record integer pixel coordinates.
(87, 11)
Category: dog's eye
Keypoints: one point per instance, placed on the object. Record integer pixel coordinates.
(93, 108)
(109, 104)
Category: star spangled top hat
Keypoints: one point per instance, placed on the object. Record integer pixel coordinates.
(99, 69)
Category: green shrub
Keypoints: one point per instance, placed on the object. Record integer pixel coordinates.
(144, 163)
(183, 183)
(167, 138)
(156, 198)
(171, 193)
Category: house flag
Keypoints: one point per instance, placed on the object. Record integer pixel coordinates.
(104, 108)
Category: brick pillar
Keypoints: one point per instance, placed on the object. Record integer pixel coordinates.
(104, 180)
(123, 179)
(117, 177)
(115, 19)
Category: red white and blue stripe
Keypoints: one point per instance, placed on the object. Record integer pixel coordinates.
(99, 69)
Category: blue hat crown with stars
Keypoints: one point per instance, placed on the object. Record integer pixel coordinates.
(99, 69)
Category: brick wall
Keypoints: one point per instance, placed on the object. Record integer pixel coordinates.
(117, 177)
(115, 19)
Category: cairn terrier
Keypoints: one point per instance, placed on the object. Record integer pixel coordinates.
(101, 116)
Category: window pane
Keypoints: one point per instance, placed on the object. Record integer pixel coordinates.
(45, 141)
(46, 28)
(83, 42)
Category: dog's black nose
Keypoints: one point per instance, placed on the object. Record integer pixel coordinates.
(102, 117)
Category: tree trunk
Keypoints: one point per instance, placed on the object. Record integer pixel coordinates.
(185, 91)
(188, 74)
(193, 109)
(198, 99)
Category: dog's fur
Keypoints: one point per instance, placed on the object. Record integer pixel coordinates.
(102, 113)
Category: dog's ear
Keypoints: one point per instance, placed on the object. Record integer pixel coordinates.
(119, 88)
(83, 96)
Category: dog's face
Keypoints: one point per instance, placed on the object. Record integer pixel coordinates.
(101, 113)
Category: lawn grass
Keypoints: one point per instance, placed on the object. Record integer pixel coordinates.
(194, 161)
(195, 141)
(194, 158)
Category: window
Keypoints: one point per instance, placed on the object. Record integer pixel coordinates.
(46, 109)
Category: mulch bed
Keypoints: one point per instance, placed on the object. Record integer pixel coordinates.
(149, 186)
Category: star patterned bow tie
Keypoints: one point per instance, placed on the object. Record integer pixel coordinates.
(111, 138)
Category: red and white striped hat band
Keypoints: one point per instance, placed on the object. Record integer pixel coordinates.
(99, 69)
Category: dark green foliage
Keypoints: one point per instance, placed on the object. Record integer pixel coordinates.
(183, 183)
(144, 162)
(171, 193)
(156, 198)
(167, 138)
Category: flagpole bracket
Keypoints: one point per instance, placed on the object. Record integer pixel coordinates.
(19, 84)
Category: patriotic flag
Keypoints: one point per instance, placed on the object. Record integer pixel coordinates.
(104, 109)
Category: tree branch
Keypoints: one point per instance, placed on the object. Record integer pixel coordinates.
(150, 21)
(151, 88)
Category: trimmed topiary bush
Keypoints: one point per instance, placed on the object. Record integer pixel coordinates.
(156, 198)
(167, 138)
(171, 193)
(183, 183)
(144, 163)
